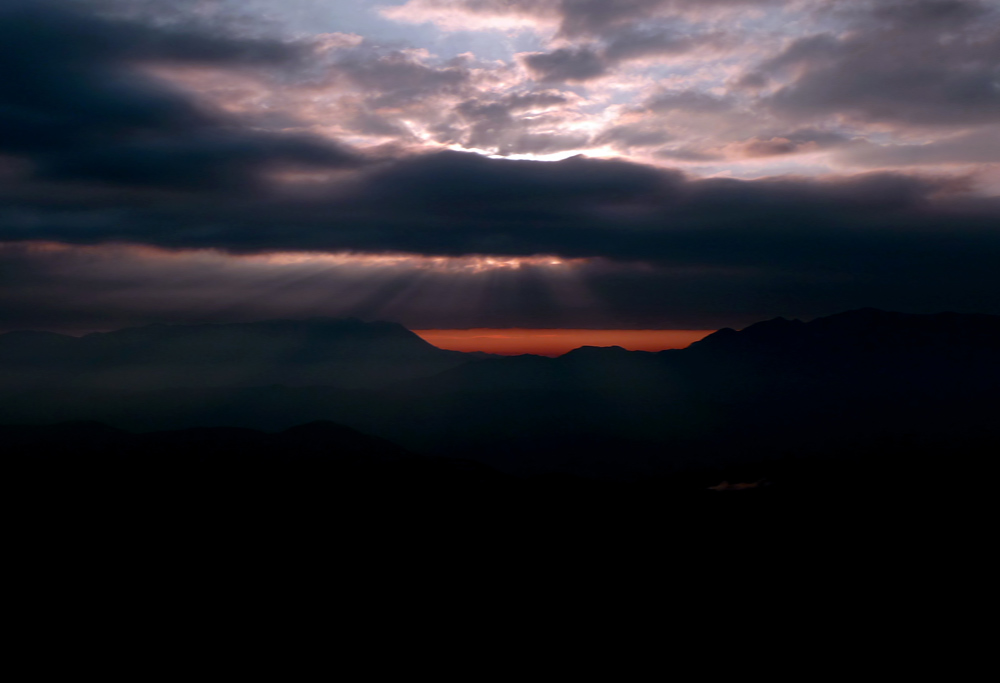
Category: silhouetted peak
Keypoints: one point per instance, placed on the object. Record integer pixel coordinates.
(315, 339)
(768, 334)
(720, 337)
(866, 329)
(596, 352)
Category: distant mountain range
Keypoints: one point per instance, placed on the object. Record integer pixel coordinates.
(316, 351)
(848, 387)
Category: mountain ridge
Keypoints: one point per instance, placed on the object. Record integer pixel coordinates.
(838, 384)
(315, 351)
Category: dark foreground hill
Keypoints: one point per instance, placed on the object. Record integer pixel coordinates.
(109, 507)
(319, 469)
(319, 487)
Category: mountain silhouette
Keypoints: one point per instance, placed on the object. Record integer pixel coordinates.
(874, 427)
(867, 330)
(859, 387)
(316, 351)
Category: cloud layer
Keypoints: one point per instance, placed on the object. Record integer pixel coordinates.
(719, 160)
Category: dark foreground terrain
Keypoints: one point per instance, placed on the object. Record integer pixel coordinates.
(325, 479)
(867, 425)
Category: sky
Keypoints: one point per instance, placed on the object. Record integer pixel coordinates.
(539, 164)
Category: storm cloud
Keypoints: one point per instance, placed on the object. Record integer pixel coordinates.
(845, 164)
(910, 239)
(928, 62)
(76, 104)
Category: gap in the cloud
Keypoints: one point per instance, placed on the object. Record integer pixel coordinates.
(555, 156)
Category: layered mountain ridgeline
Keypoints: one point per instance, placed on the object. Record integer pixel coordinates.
(850, 387)
(862, 383)
(317, 351)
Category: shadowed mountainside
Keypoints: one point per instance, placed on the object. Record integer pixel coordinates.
(317, 351)
(857, 385)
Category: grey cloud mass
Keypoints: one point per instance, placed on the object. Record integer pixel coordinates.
(920, 62)
(566, 65)
(457, 203)
(75, 103)
(170, 145)
(979, 146)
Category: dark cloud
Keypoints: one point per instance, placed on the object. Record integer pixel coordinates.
(397, 78)
(453, 204)
(933, 14)
(573, 18)
(408, 95)
(87, 289)
(75, 102)
(795, 142)
(585, 63)
(919, 62)
(617, 32)
(570, 65)
(62, 31)
(768, 148)
(202, 160)
(604, 17)
(535, 100)
(96, 150)
(638, 44)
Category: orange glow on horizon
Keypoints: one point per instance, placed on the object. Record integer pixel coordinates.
(515, 341)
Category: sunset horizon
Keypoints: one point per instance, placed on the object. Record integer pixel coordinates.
(556, 342)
